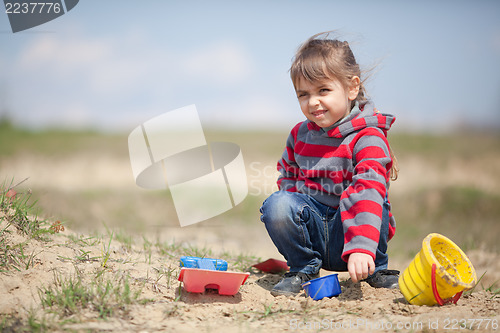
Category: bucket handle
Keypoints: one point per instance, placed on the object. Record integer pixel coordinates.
(438, 298)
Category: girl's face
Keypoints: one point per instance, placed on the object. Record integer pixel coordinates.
(325, 103)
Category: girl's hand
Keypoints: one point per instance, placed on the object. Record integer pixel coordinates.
(360, 265)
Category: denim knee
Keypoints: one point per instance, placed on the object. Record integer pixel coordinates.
(276, 210)
(275, 207)
(286, 216)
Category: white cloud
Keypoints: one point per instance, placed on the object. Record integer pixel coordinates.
(98, 65)
(66, 56)
(122, 65)
(75, 80)
(222, 62)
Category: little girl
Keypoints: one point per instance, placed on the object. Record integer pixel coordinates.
(332, 209)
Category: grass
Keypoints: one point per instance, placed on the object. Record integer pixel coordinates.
(169, 274)
(462, 213)
(104, 295)
(106, 251)
(20, 211)
(240, 261)
(175, 250)
(125, 239)
(16, 210)
(148, 249)
(237, 261)
(267, 311)
(438, 146)
(109, 293)
(82, 240)
(54, 142)
(493, 289)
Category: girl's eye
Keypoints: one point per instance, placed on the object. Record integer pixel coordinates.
(324, 90)
(301, 95)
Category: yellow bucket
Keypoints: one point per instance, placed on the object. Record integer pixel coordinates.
(440, 271)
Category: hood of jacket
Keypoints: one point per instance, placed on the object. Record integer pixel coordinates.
(363, 115)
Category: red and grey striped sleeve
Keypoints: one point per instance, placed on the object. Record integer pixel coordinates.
(287, 166)
(361, 204)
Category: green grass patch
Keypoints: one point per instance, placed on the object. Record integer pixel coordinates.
(55, 142)
(105, 295)
(444, 146)
(236, 261)
(19, 212)
(467, 215)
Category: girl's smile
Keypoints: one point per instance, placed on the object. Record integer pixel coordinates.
(319, 113)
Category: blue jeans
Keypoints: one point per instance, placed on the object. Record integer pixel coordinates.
(310, 234)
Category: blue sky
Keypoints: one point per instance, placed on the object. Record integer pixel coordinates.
(114, 64)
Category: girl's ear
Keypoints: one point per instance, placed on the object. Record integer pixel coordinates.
(354, 88)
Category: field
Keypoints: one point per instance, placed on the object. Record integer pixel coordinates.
(114, 267)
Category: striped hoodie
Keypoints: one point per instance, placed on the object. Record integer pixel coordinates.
(346, 167)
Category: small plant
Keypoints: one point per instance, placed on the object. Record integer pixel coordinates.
(179, 293)
(82, 257)
(124, 239)
(241, 262)
(268, 311)
(36, 324)
(106, 252)
(82, 240)
(168, 273)
(68, 295)
(20, 212)
(30, 260)
(8, 257)
(171, 250)
(494, 289)
(148, 252)
(17, 211)
(103, 295)
(469, 292)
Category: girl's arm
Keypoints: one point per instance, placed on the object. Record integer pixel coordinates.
(361, 204)
(287, 166)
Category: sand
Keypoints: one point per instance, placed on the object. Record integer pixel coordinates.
(163, 304)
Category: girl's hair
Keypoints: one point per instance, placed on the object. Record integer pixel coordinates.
(321, 59)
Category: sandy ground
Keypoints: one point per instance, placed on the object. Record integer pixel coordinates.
(168, 307)
(165, 306)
